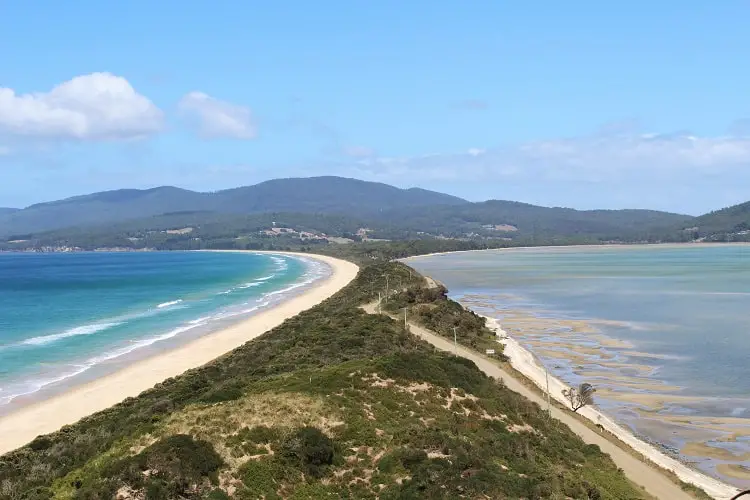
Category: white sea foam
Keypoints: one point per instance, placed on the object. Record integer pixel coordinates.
(31, 386)
(28, 387)
(73, 332)
(200, 321)
(248, 285)
(281, 262)
(139, 344)
(92, 328)
(170, 303)
(240, 312)
(251, 284)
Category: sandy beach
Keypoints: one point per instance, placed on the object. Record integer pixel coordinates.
(23, 425)
(526, 363)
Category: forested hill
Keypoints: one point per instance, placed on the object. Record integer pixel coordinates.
(5, 210)
(174, 218)
(728, 224)
(303, 195)
(521, 220)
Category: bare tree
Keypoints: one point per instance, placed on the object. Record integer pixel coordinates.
(580, 397)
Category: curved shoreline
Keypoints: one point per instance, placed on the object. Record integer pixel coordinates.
(21, 426)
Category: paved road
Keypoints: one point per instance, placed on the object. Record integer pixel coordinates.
(654, 482)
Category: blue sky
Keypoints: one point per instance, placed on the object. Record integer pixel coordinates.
(639, 104)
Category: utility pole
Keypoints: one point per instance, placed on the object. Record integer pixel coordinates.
(386, 288)
(455, 342)
(379, 299)
(546, 376)
(405, 324)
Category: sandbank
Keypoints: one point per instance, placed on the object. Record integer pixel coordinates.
(655, 402)
(735, 470)
(23, 425)
(704, 450)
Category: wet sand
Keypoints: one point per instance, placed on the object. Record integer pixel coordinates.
(735, 471)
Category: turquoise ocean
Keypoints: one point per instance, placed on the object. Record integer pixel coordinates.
(67, 318)
(683, 311)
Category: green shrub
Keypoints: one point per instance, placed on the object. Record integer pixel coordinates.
(261, 478)
(260, 434)
(180, 457)
(309, 449)
(217, 494)
(221, 394)
(408, 458)
(177, 464)
(411, 459)
(158, 489)
(38, 493)
(40, 443)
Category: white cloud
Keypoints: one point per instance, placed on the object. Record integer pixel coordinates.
(676, 172)
(593, 158)
(216, 118)
(98, 106)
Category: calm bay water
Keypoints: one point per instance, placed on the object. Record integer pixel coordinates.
(66, 315)
(690, 302)
(684, 310)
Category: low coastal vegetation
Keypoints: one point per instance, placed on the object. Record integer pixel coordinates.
(333, 403)
(430, 307)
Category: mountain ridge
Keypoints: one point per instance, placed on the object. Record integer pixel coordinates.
(535, 220)
(326, 194)
(390, 212)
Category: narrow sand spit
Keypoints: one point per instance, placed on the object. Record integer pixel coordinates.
(20, 427)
